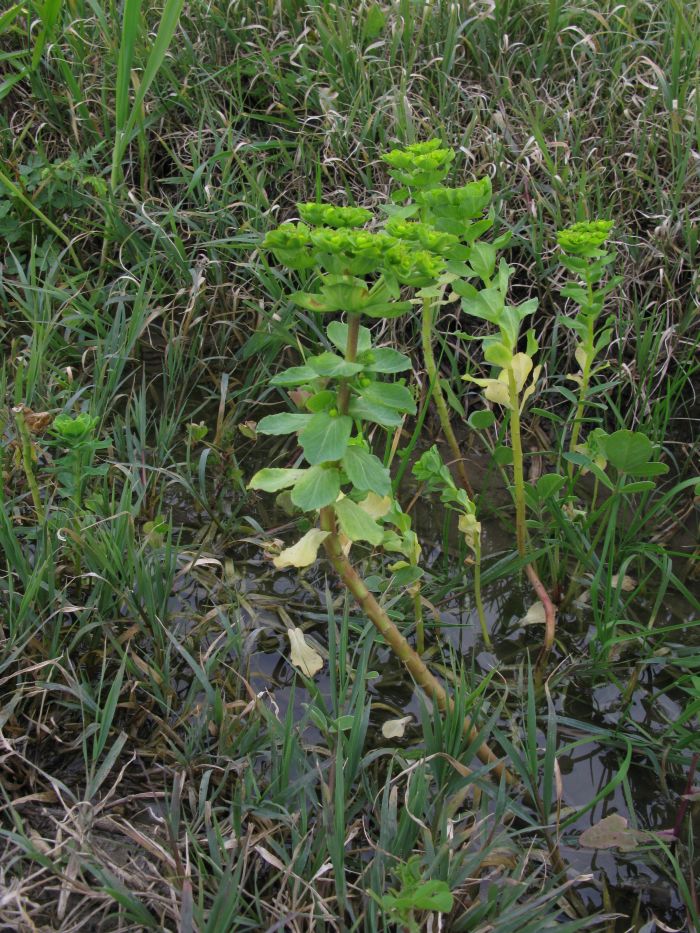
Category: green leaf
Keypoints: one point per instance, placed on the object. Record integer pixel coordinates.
(483, 260)
(356, 523)
(338, 336)
(363, 410)
(286, 423)
(630, 452)
(294, 376)
(272, 480)
(387, 308)
(481, 420)
(433, 895)
(589, 464)
(313, 302)
(332, 365)
(642, 485)
(325, 437)
(385, 360)
(365, 471)
(503, 455)
(391, 395)
(497, 353)
(317, 487)
(321, 401)
(549, 485)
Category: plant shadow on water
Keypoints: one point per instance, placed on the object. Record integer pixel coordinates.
(597, 713)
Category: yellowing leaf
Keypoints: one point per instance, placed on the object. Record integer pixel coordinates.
(470, 528)
(496, 390)
(522, 367)
(626, 585)
(304, 552)
(611, 833)
(535, 615)
(375, 506)
(581, 356)
(302, 655)
(395, 728)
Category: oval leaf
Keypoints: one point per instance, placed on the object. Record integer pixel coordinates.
(283, 424)
(365, 471)
(272, 480)
(356, 523)
(325, 437)
(317, 487)
(304, 552)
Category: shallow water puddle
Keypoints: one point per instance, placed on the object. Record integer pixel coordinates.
(634, 884)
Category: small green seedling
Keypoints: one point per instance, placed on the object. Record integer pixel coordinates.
(76, 436)
(583, 256)
(414, 897)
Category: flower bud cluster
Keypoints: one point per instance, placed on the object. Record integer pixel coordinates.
(465, 203)
(327, 215)
(582, 239)
(443, 244)
(420, 164)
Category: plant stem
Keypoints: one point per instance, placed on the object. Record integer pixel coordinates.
(583, 390)
(518, 470)
(418, 616)
(396, 641)
(440, 403)
(477, 593)
(520, 516)
(28, 461)
(350, 356)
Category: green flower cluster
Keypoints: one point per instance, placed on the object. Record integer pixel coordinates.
(71, 430)
(420, 164)
(357, 252)
(443, 244)
(327, 215)
(583, 238)
(290, 245)
(465, 203)
(414, 267)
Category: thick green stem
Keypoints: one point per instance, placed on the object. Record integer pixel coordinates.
(28, 461)
(520, 517)
(436, 389)
(583, 391)
(396, 641)
(477, 594)
(586, 371)
(350, 356)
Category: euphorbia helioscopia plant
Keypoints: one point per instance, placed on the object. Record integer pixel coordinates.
(360, 272)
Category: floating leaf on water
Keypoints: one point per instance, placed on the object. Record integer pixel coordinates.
(302, 655)
(535, 615)
(395, 728)
(304, 552)
(611, 833)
